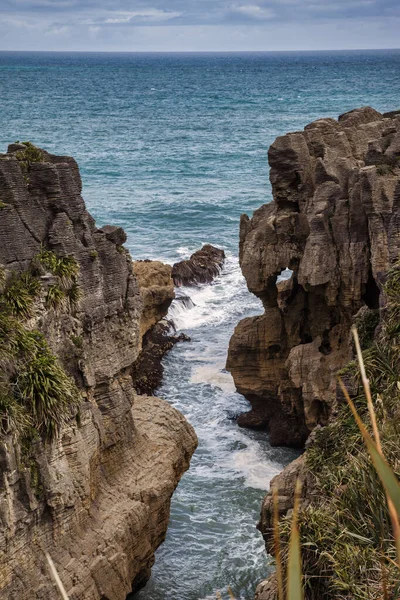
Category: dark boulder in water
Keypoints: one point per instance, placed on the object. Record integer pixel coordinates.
(147, 372)
(202, 267)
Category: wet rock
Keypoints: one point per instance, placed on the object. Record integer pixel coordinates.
(147, 372)
(202, 267)
(284, 485)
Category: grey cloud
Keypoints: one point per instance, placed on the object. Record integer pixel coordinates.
(194, 24)
(192, 12)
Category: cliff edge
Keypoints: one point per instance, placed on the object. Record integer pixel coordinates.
(88, 466)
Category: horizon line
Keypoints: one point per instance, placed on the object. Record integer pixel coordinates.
(204, 51)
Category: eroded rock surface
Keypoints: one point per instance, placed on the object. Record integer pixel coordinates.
(99, 498)
(157, 290)
(202, 267)
(335, 222)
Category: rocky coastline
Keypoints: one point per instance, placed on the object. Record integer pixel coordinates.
(96, 495)
(157, 283)
(95, 492)
(335, 223)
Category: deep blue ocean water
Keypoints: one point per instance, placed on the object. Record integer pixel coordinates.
(174, 148)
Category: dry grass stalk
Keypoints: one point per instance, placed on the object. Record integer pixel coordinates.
(294, 572)
(56, 577)
(367, 390)
(394, 516)
(375, 448)
(277, 545)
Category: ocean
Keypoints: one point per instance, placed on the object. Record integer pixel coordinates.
(173, 147)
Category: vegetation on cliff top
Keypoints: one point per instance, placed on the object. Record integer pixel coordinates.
(31, 154)
(348, 549)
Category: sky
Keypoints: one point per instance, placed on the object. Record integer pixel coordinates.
(198, 25)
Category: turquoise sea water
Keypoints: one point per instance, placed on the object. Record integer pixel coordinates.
(174, 148)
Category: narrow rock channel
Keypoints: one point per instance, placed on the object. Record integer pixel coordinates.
(212, 541)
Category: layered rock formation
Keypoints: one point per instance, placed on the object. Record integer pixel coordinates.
(335, 222)
(97, 497)
(202, 267)
(157, 291)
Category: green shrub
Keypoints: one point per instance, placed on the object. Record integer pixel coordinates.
(366, 323)
(36, 394)
(64, 267)
(384, 169)
(74, 295)
(2, 277)
(77, 340)
(14, 417)
(46, 390)
(30, 155)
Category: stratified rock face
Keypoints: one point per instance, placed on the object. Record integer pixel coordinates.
(157, 290)
(202, 267)
(100, 500)
(335, 222)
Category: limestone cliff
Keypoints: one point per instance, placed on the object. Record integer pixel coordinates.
(97, 496)
(335, 222)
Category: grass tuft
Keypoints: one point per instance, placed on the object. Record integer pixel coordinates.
(55, 298)
(20, 294)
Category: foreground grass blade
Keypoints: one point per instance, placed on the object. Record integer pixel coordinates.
(367, 389)
(231, 594)
(294, 575)
(277, 545)
(56, 577)
(384, 471)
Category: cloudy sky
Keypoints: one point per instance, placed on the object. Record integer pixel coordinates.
(190, 25)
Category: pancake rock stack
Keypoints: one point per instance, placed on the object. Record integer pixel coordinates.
(335, 222)
(96, 497)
